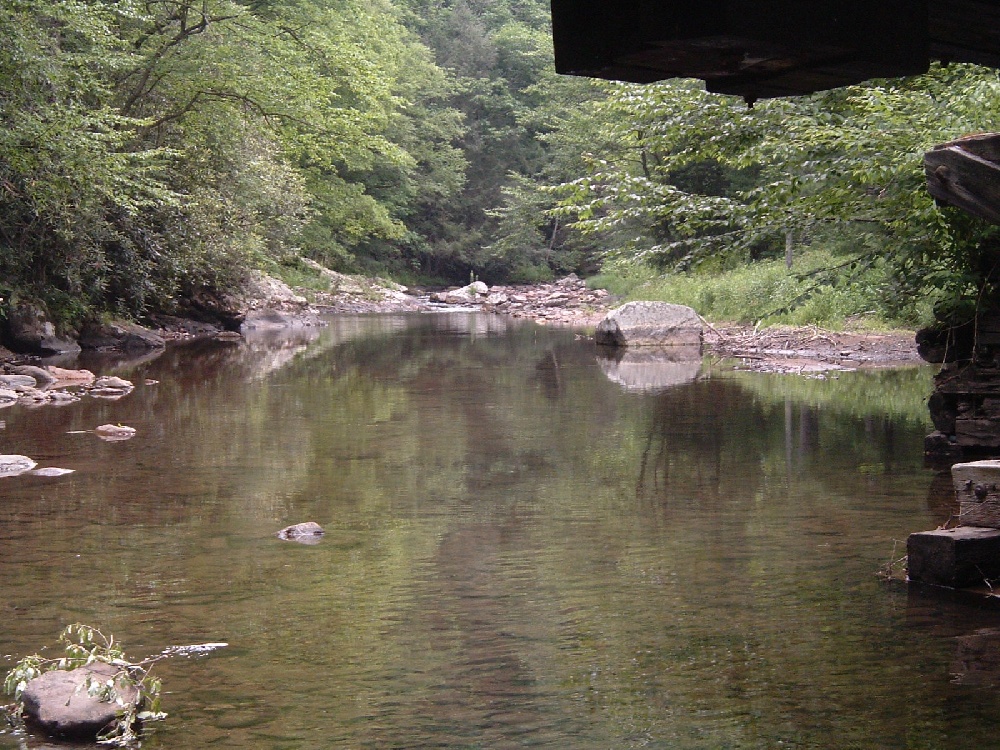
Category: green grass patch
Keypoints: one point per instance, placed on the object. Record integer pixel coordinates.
(819, 290)
(300, 275)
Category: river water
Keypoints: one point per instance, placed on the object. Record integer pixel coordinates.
(525, 547)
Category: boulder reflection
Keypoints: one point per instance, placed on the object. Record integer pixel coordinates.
(650, 369)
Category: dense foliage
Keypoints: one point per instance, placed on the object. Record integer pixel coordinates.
(153, 149)
(694, 183)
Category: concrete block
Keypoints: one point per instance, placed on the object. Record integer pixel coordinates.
(963, 556)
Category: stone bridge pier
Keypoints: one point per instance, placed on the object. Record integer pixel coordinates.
(965, 404)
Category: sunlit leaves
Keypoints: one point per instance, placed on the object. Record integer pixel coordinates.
(151, 148)
(851, 156)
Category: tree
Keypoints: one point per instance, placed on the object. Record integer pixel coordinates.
(152, 149)
(848, 160)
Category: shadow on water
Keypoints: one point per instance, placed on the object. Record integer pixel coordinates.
(522, 548)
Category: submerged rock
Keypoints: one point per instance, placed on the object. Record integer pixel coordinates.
(308, 532)
(59, 703)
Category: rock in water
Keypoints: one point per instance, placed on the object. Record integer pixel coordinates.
(650, 324)
(71, 377)
(42, 376)
(112, 432)
(18, 383)
(58, 701)
(121, 336)
(30, 330)
(12, 465)
(51, 471)
(304, 533)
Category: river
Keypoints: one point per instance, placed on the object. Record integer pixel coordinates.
(524, 547)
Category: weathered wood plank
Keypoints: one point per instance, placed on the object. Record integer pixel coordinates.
(977, 486)
(981, 432)
(966, 173)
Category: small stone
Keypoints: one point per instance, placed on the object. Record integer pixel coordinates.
(110, 387)
(18, 382)
(51, 471)
(12, 465)
(112, 432)
(110, 381)
(308, 532)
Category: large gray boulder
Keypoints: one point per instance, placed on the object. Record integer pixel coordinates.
(119, 335)
(58, 701)
(30, 331)
(650, 324)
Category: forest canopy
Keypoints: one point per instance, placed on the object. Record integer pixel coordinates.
(151, 149)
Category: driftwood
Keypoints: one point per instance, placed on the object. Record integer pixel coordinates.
(966, 173)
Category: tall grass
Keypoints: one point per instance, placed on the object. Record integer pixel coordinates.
(813, 292)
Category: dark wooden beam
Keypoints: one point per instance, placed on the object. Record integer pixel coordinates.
(966, 173)
(748, 47)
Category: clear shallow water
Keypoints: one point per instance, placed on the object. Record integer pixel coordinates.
(520, 552)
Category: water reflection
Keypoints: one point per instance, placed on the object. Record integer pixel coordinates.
(650, 369)
(518, 551)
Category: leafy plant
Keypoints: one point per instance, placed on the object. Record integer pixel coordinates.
(86, 645)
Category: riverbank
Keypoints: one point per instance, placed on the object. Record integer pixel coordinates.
(567, 302)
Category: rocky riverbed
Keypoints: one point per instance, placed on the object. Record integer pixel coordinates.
(271, 304)
(569, 302)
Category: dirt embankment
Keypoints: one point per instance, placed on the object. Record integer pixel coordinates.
(810, 349)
